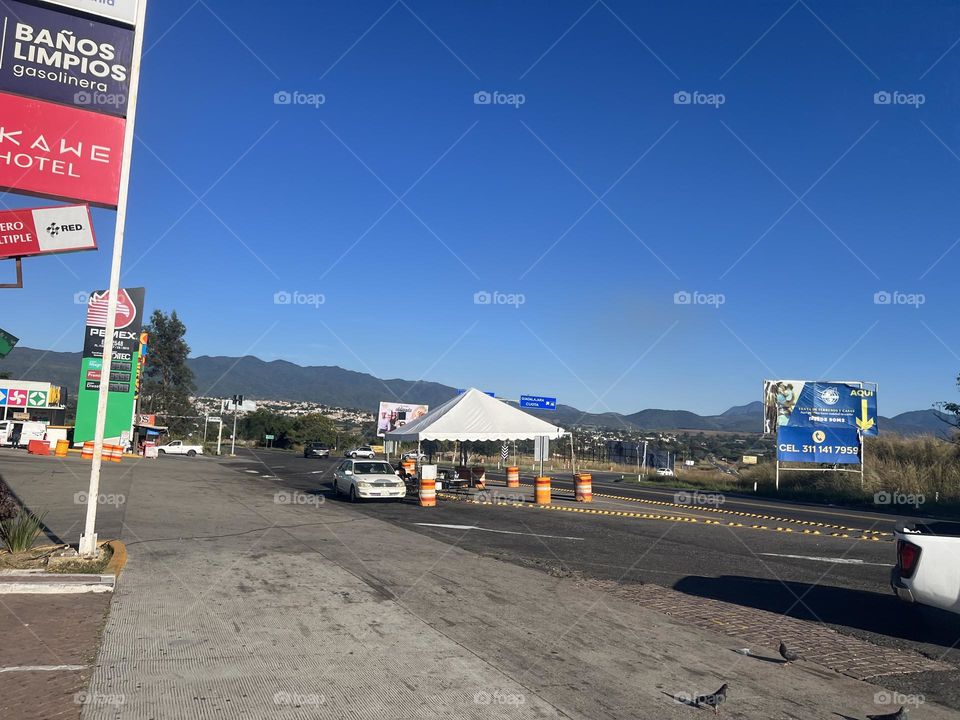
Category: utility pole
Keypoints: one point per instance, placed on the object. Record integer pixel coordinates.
(88, 541)
(223, 404)
(237, 402)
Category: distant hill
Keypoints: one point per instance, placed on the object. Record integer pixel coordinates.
(331, 385)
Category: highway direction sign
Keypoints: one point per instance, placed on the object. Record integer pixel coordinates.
(538, 402)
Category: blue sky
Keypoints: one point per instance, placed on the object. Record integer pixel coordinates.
(781, 199)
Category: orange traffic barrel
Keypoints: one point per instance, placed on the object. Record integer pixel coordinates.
(584, 482)
(428, 492)
(409, 466)
(542, 494)
(87, 452)
(513, 477)
(113, 453)
(62, 447)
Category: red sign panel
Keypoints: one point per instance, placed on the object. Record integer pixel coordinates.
(56, 151)
(42, 231)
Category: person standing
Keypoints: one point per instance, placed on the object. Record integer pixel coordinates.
(15, 438)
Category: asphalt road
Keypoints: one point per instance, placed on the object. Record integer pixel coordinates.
(842, 582)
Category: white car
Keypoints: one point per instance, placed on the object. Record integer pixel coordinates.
(177, 447)
(927, 572)
(664, 472)
(363, 479)
(413, 455)
(362, 452)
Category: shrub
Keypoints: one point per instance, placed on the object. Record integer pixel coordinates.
(20, 532)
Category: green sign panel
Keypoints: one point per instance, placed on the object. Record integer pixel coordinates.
(37, 398)
(120, 401)
(269, 437)
(7, 341)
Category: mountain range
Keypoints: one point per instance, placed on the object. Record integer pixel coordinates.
(281, 380)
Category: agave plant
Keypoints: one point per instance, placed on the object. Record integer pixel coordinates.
(20, 532)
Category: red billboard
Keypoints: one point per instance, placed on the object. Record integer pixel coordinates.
(42, 231)
(56, 151)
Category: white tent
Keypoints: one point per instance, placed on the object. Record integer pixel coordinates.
(475, 416)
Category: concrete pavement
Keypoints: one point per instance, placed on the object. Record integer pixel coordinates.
(242, 599)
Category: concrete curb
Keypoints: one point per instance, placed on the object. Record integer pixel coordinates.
(39, 582)
(34, 583)
(118, 560)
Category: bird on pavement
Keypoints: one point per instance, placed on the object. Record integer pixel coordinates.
(713, 699)
(900, 714)
(787, 654)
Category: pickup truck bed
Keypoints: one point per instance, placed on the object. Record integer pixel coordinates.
(928, 564)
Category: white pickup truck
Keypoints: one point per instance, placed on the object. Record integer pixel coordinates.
(177, 447)
(928, 564)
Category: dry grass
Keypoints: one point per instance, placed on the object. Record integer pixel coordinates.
(918, 466)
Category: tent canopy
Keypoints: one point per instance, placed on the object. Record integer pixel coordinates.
(475, 416)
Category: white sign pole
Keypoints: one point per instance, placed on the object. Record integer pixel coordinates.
(223, 405)
(88, 541)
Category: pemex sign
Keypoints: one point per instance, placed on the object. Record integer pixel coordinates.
(122, 381)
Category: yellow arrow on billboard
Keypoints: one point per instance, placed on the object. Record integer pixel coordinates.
(865, 422)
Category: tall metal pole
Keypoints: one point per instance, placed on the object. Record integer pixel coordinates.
(233, 438)
(223, 404)
(88, 541)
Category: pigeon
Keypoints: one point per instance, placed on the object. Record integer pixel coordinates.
(787, 654)
(713, 699)
(900, 714)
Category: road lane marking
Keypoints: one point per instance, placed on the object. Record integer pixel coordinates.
(656, 516)
(874, 534)
(502, 532)
(42, 668)
(835, 561)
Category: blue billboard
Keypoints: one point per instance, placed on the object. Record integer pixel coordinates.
(835, 446)
(802, 404)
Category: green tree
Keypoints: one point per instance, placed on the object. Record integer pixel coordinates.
(946, 409)
(254, 425)
(168, 382)
(314, 428)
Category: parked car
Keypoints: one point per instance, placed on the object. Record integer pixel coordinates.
(413, 455)
(316, 450)
(364, 479)
(664, 472)
(362, 452)
(177, 447)
(927, 572)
